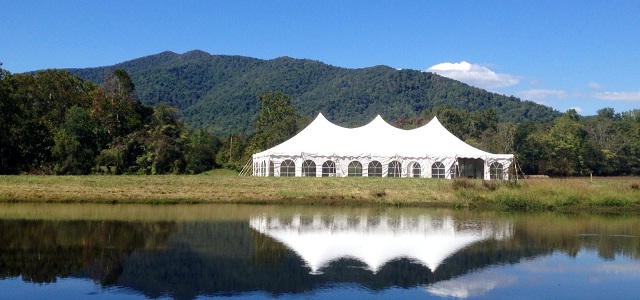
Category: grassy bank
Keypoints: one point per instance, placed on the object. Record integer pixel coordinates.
(575, 194)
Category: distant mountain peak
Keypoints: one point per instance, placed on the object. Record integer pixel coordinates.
(219, 92)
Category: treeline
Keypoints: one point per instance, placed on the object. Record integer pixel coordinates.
(56, 123)
(607, 144)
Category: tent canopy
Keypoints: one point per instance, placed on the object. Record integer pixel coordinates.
(377, 140)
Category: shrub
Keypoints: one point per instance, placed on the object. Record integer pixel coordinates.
(462, 183)
(610, 202)
(490, 185)
(523, 203)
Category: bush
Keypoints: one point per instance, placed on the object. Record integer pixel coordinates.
(490, 185)
(611, 202)
(462, 183)
(519, 202)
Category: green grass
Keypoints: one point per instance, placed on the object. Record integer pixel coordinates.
(223, 186)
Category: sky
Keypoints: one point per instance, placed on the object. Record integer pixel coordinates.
(582, 55)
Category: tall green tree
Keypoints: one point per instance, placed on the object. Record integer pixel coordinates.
(10, 113)
(116, 106)
(167, 141)
(277, 121)
(201, 151)
(568, 146)
(76, 143)
(33, 107)
(630, 150)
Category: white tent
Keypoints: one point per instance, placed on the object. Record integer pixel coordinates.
(379, 149)
(376, 241)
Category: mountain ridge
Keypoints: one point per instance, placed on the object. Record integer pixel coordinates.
(219, 92)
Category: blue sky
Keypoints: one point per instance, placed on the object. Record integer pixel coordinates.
(564, 54)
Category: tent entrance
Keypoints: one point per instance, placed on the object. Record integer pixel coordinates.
(471, 168)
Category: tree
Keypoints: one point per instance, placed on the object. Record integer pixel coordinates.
(630, 150)
(568, 145)
(76, 143)
(234, 152)
(167, 141)
(530, 145)
(455, 120)
(56, 91)
(116, 106)
(201, 151)
(10, 115)
(277, 121)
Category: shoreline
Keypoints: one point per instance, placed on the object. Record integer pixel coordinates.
(602, 195)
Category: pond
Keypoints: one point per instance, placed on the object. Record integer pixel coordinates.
(62, 251)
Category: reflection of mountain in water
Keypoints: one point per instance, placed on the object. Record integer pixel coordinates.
(375, 242)
(274, 255)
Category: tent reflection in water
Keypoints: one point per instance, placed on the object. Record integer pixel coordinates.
(426, 240)
(379, 150)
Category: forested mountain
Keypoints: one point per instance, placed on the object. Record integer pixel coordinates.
(219, 92)
(115, 119)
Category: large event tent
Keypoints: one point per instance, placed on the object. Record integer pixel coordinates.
(379, 149)
(375, 241)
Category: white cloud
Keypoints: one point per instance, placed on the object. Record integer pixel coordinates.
(576, 108)
(539, 94)
(595, 85)
(618, 96)
(471, 285)
(474, 74)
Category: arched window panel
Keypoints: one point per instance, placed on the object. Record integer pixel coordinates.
(308, 168)
(287, 168)
(272, 169)
(328, 169)
(263, 168)
(354, 169)
(395, 169)
(438, 170)
(496, 171)
(374, 169)
(416, 170)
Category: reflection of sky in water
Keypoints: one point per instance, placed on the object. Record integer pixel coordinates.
(64, 288)
(586, 276)
(472, 285)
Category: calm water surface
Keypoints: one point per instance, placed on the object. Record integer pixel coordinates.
(50, 251)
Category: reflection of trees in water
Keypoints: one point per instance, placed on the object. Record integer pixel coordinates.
(188, 259)
(608, 235)
(41, 251)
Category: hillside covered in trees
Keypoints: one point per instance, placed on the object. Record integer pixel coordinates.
(189, 113)
(218, 92)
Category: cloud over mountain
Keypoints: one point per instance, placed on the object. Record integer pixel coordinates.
(474, 74)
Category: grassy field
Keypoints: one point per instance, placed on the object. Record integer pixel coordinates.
(620, 194)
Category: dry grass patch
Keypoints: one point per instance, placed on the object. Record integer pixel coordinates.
(534, 194)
